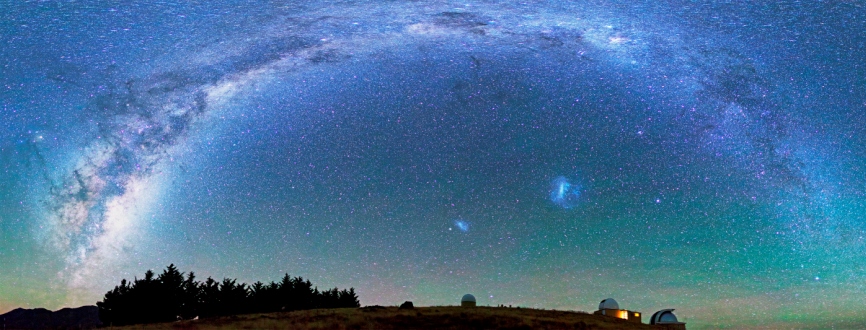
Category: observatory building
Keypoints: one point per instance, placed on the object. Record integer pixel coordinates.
(667, 319)
(468, 300)
(610, 307)
(664, 319)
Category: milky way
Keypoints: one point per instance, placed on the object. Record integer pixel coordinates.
(701, 157)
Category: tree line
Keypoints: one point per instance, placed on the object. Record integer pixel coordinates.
(170, 296)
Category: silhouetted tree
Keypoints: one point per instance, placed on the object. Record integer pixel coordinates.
(170, 295)
(264, 297)
(232, 297)
(191, 297)
(348, 298)
(113, 308)
(210, 295)
(145, 294)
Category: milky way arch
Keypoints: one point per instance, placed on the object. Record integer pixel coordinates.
(93, 209)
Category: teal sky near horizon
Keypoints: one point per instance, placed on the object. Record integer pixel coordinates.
(692, 155)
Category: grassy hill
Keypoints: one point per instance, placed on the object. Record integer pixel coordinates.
(375, 317)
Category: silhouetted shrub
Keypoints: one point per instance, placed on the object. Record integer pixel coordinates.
(170, 296)
(407, 305)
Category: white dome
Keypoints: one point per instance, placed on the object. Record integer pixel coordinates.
(664, 316)
(608, 303)
(468, 297)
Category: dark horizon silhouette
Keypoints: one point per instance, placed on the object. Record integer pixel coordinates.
(170, 296)
(83, 317)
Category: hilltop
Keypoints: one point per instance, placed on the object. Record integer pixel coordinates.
(84, 317)
(377, 317)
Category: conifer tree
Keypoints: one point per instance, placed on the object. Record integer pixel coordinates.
(169, 296)
(191, 297)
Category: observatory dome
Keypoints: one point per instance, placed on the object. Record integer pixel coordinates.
(468, 300)
(664, 316)
(608, 303)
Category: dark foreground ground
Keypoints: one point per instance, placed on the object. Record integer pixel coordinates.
(448, 317)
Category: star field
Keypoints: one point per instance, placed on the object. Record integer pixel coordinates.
(698, 156)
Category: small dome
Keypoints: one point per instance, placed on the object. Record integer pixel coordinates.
(468, 298)
(608, 303)
(668, 317)
(664, 316)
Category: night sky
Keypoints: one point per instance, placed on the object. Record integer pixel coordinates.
(671, 154)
